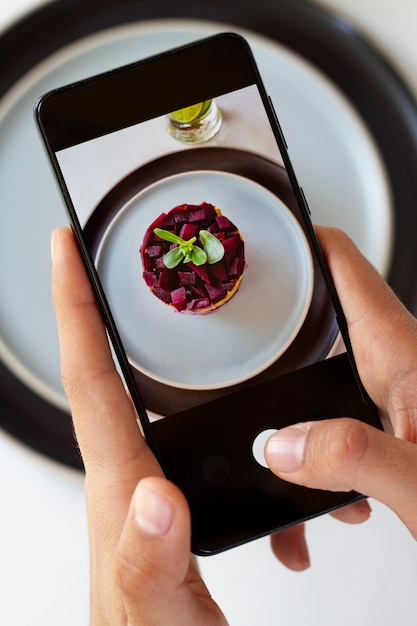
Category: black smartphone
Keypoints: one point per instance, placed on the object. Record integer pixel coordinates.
(200, 247)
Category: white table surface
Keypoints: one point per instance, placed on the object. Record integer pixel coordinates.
(360, 576)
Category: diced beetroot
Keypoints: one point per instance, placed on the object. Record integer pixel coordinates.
(200, 270)
(179, 298)
(178, 208)
(197, 215)
(146, 240)
(209, 212)
(162, 294)
(200, 303)
(217, 271)
(154, 251)
(200, 292)
(147, 263)
(168, 221)
(168, 280)
(188, 231)
(224, 223)
(150, 279)
(230, 246)
(240, 252)
(159, 263)
(182, 216)
(187, 286)
(215, 293)
(228, 286)
(236, 268)
(187, 278)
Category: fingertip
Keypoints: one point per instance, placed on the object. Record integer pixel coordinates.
(159, 508)
(55, 244)
(284, 450)
(57, 236)
(291, 549)
(63, 261)
(54, 236)
(355, 513)
(153, 552)
(154, 510)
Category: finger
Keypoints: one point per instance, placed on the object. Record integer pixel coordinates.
(104, 422)
(345, 455)
(355, 513)
(383, 333)
(153, 560)
(290, 547)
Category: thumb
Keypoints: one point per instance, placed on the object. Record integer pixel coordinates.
(153, 554)
(346, 454)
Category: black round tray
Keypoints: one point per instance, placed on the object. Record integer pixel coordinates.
(327, 41)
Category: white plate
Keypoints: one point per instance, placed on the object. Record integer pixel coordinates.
(333, 153)
(248, 333)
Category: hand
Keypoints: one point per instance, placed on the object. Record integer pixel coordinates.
(139, 523)
(345, 454)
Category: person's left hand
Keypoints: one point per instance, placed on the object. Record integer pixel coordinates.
(139, 523)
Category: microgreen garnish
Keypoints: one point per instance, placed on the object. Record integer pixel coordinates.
(213, 247)
(187, 252)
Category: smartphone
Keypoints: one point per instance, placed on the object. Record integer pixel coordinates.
(199, 244)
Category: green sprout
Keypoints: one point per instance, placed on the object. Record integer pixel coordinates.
(187, 252)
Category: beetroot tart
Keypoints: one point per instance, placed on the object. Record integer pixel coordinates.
(193, 258)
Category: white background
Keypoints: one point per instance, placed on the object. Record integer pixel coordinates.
(360, 576)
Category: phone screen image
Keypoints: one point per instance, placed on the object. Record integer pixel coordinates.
(236, 320)
(207, 262)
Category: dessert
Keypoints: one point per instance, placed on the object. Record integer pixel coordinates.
(193, 258)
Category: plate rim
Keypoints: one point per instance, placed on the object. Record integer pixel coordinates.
(307, 260)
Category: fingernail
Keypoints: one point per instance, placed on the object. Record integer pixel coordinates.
(285, 449)
(154, 513)
(53, 243)
(56, 256)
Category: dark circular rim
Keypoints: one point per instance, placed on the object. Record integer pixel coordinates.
(332, 44)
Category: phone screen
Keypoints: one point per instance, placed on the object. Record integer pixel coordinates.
(206, 258)
(239, 320)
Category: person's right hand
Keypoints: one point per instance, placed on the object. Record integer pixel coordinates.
(345, 454)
